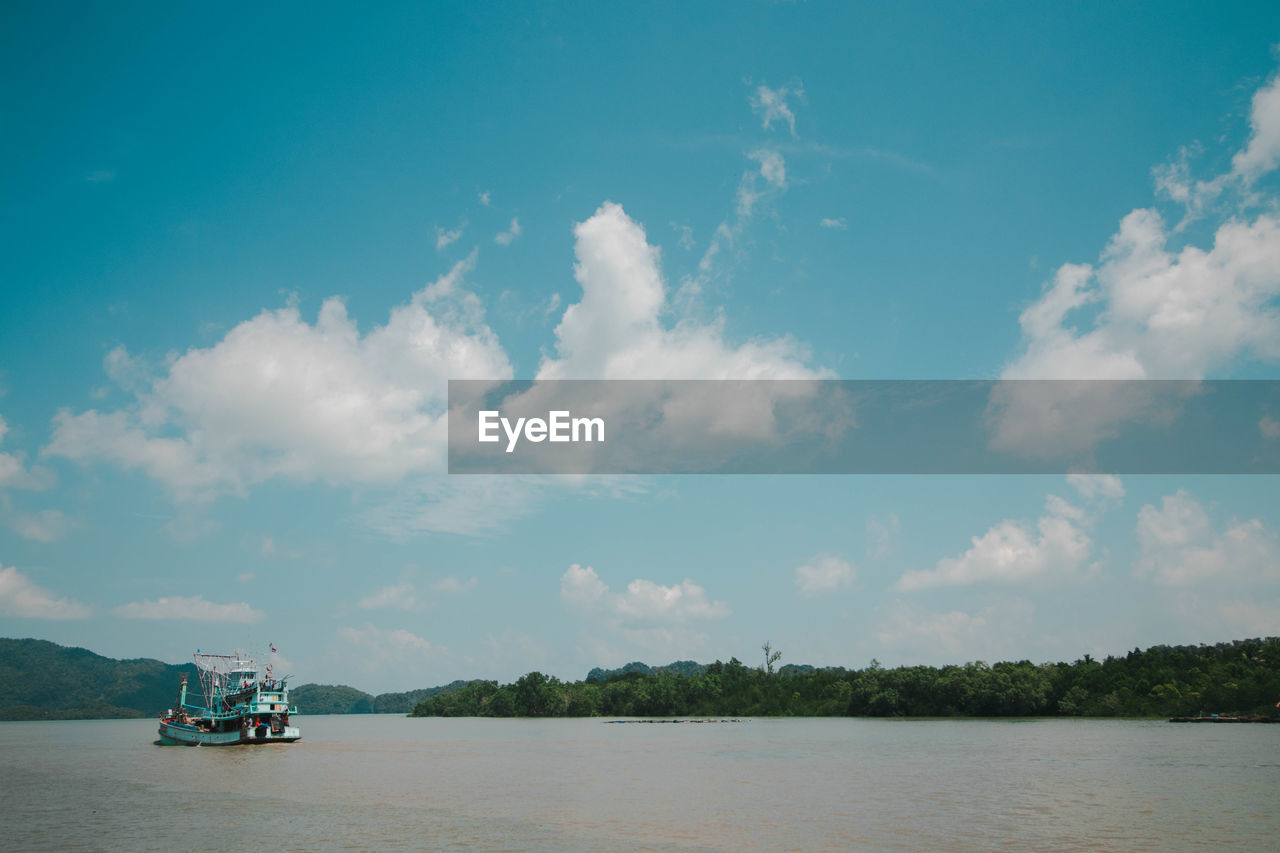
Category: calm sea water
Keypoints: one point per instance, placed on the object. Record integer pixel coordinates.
(387, 782)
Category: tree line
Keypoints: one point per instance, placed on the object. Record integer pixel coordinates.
(1241, 677)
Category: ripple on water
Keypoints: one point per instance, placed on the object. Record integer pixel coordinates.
(382, 782)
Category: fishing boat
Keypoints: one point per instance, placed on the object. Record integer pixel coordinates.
(243, 703)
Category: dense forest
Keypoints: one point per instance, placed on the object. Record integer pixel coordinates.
(1241, 677)
(40, 680)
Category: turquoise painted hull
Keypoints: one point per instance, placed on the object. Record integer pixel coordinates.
(177, 734)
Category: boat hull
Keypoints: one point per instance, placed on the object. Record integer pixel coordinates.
(173, 734)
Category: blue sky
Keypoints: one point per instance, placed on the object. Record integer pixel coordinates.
(244, 254)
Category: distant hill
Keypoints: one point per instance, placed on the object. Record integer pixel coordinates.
(40, 680)
(679, 667)
(403, 703)
(601, 674)
(341, 699)
(330, 699)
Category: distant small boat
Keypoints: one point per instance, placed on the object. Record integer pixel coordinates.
(239, 706)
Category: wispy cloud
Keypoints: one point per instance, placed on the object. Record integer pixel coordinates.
(455, 585)
(771, 105)
(880, 536)
(379, 647)
(194, 608)
(999, 630)
(14, 473)
(824, 573)
(444, 238)
(271, 548)
(400, 596)
(685, 241)
(506, 238)
(772, 167)
(45, 526)
(869, 153)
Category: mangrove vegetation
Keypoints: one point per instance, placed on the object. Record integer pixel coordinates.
(1241, 677)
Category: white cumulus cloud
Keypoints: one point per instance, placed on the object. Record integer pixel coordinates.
(616, 331)
(1161, 312)
(279, 397)
(23, 598)
(643, 601)
(648, 619)
(1156, 306)
(1262, 153)
(1015, 552)
(1178, 545)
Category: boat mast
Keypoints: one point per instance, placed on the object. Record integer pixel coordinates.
(180, 708)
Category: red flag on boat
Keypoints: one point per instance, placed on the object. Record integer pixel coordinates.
(273, 648)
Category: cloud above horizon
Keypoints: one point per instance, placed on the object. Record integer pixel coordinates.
(616, 330)
(824, 573)
(643, 601)
(23, 598)
(771, 105)
(279, 397)
(193, 608)
(1013, 552)
(1157, 306)
(1178, 545)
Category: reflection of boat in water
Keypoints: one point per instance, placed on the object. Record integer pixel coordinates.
(239, 706)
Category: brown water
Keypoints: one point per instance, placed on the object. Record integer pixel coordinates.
(386, 782)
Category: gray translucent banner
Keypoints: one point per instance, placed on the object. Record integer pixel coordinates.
(863, 427)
